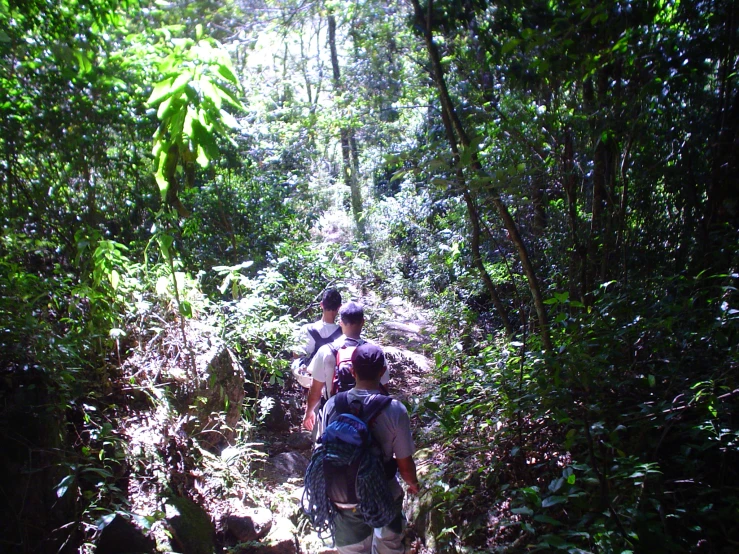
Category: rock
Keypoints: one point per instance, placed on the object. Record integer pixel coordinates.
(242, 524)
(286, 465)
(282, 539)
(277, 419)
(300, 441)
(121, 536)
(219, 396)
(190, 525)
(427, 520)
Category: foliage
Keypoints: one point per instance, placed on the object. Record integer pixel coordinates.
(198, 78)
(606, 131)
(620, 444)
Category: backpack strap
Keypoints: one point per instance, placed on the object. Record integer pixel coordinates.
(374, 406)
(370, 408)
(320, 341)
(317, 338)
(341, 403)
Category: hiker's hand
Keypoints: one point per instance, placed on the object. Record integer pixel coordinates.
(414, 488)
(309, 420)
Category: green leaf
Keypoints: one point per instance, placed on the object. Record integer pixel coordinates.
(202, 159)
(225, 70)
(547, 519)
(63, 486)
(552, 501)
(210, 92)
(510, 45)
(229, 120)
(162, 90)
(186, 309)
(525, 511)
(165, 244)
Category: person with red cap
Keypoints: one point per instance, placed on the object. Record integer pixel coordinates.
(392, 432)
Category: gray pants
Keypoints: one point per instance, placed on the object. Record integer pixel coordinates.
(353, 536)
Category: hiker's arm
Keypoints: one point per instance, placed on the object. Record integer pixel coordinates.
(314, 397)
(407, 470)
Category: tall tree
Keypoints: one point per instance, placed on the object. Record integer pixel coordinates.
(349, 151)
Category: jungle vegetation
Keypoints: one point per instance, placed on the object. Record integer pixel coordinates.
(555, 181)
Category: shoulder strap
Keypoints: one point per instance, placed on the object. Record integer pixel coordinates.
(374, 406)
(335, 335)
(317, 338)
(341, 403)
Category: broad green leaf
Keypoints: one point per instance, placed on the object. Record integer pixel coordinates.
(552, 501)
(162, 285)
(63, 486)
(210, 92)
(162, 90)
(202, 158)
(186, 309)
(225, 70)
(187, 125)
(547, 519)
(229, 120)
(525, 511)
(229, 96)
(165, 244)
(159, 174)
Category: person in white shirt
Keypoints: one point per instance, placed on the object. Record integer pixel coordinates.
(323, 364)
(314, 335)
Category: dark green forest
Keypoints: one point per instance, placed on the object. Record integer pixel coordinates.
(552, 184)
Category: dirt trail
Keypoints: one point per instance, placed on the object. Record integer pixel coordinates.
(404, 333)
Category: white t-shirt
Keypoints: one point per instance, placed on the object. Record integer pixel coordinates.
(307, 342)
(323, 364)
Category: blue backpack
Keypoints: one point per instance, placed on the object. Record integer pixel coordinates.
(347, 467)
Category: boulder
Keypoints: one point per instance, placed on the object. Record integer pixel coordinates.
(286, 465)
(282, 539)
(300, 441)
(121, 536)
(240, 524)
(277, 418)
(190, 526)
(217, 399)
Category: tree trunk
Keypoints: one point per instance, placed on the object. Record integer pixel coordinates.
(503, 212)
(578, 253)
(348, 144)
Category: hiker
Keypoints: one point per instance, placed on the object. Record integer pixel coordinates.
(316, 334)
(391, 432)
(322, 367)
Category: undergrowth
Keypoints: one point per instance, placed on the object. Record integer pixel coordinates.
(624, 440)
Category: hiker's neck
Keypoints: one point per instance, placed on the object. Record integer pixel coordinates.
(329, 317)
(351, 331)
(368, 385)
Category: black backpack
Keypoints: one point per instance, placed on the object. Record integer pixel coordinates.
(319, 341)
(347, 467)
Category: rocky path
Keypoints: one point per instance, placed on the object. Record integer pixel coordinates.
(404, 335)
(199, 477)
